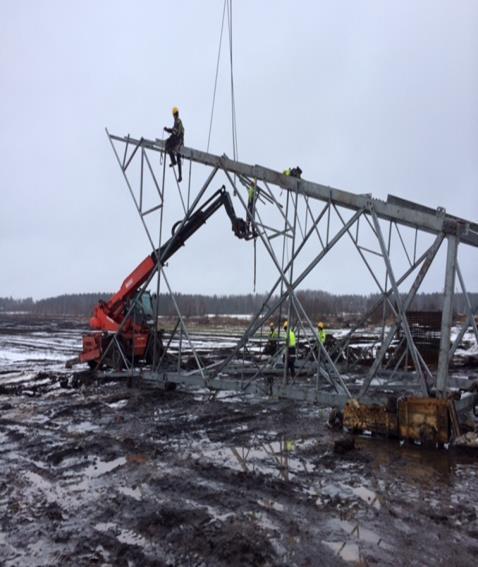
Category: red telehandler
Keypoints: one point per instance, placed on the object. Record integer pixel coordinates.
(129, 316)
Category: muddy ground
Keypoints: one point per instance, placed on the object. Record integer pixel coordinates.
(104, 474)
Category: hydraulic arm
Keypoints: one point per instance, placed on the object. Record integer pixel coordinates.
(109, 315)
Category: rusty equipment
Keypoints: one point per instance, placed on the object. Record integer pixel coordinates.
(428, 420)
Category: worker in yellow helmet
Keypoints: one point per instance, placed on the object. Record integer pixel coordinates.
(321, 332)
(273, 337)
(290, 342)
(175, 142)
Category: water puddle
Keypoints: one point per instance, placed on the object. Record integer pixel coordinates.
(124, 536)
(82, 481)
(346, 493)
(347, 551)
(82, 427)
(271, 505)
(119, 404)
(39, 484)
(368, 496)
(350, 550)
(135, 493)
(102, 467)
(360, 533)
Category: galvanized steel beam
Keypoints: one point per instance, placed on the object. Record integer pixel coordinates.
(399, 211)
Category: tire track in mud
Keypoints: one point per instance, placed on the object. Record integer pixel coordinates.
(107, 474)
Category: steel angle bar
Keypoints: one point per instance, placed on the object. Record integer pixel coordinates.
(183, 325)
(120, 349)
(348, 337)
(404, 322)
(155, 181)
(319, 218)
(328, 221)
(385, 285)
(415, 245)
(365, 249)
(447, 315)
(278, 391)
(261, 317)
(278, 205)
(365, 261)
(133, 153)
(402, 242)
(410, 296)
(467, 300)
(189, 182)
(111, 138)
(399, 361)
(158, 279)
(391, 359)
(125, 150)
(151, 210)
(310, 267)
(276, 232)
(303, 243)
(180, 194)
(291, 277)
(171, 337)
(456, 343)
(372, 227)
(141, 181)
(328, 360)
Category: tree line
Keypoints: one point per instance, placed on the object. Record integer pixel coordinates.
(317, 304)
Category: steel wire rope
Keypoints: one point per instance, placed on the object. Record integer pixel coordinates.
(227, 5)
(233, 100)
(217, 74)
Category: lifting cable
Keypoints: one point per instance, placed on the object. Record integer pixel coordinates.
(235, 152)
(227, 7)
(217, 73)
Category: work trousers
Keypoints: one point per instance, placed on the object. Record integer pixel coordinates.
(173, 146)
(291, 361)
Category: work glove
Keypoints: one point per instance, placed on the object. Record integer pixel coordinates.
(167, 130)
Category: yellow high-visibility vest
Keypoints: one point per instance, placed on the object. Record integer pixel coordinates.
(291, 338)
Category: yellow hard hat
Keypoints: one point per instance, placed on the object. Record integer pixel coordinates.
(286, 324)
(320, 325)
(175, 110)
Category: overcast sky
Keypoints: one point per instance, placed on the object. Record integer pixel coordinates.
(369, 96)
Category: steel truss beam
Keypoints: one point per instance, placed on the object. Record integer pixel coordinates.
(240, 369)
(398, 210)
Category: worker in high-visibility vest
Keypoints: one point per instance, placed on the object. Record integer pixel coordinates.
(293, 172)
(251, 200)
(321, 332)
(273, 337)
(290, 342)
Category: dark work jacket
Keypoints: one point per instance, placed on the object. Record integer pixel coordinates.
(178, 130)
